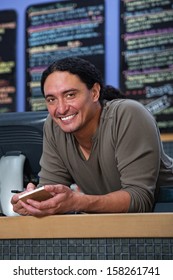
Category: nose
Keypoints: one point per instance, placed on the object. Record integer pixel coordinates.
(62, 107)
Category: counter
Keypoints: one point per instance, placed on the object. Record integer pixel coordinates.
(88, 236)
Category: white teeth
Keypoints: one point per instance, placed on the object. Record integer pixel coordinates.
(67, 118)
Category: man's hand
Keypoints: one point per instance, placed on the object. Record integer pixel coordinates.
(63, 201)
(17, 206)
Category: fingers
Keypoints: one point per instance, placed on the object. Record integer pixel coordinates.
(17, 206)
(30, 187)
(32, 208)
(59, 203)
(59, 188)
(15, 197)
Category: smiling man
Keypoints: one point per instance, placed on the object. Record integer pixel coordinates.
(111, 150)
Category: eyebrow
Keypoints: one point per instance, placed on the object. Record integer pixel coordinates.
(64, 92)
(71, 89)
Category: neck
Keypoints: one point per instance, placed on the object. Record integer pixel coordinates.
(84, 138)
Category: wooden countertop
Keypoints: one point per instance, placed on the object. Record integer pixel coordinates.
(146, 225)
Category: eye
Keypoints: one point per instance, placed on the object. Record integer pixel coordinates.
(70, 95)
(50, 99)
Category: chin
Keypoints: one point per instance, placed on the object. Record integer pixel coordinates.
(67, 129)
(70, 130)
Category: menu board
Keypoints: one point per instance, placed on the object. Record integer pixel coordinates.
(7, 61)
(57, 30)
(146, 66)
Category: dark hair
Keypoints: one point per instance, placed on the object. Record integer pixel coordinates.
(110, 93)
(87, 73)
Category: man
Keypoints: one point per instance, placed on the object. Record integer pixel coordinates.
(110, 149)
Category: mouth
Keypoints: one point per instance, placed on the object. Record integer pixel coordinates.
(67, 118)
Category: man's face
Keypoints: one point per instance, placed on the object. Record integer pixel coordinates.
(70, 103)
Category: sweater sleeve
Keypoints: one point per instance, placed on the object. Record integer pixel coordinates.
(138, 153)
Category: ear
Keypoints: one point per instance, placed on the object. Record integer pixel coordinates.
(96, 92)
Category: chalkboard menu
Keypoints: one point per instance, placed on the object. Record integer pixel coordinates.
(57, 30)
(146, 66)
(7, 61)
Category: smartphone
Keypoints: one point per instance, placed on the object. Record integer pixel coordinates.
(38, 194)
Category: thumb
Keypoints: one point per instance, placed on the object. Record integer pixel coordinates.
(30, 187)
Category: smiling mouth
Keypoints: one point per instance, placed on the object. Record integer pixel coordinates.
(68, 117)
